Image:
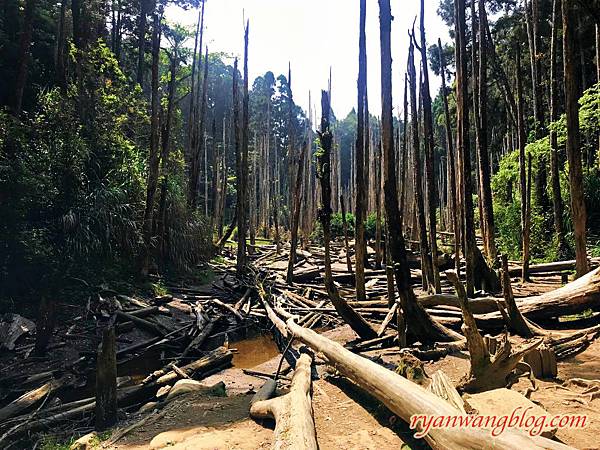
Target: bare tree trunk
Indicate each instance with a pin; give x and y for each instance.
(429, 156)
(345, 225)
(451, 164)
(166, 137)
(242, 174)
(154, 157)
(106, 381)
(578, 211)
(348, 314)
(297, 205)
(192, 138)
(23, 56)
(378, 243)
(463, 145)
(360, 244)
(420, 325)
(522, 168)
(487, 216)
(557, 200)
(426, 268)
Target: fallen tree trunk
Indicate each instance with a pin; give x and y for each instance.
(294, 423)
(28, 399)
(572, 298)
(406, 399)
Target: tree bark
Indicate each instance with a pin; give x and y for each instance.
(106, 381)
(452, 163)
(522, 169)
(153, 158)
(487, 210)
(360, 243)
(578, 211)
(141, 42)
(242, 183)
(297, 205)
(557, 201)
(463, 145)
(429, 156)
(426, 267)
(348, 314)
(420, 324)
(345, 226)
(293, 414)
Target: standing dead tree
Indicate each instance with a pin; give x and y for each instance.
(522, 169)
(360, 242)
(451, 162)
(578, 212)
(463, 145)
(350, 316)
(426, 266)
(420, 324)
(429, 154)
(557, 201)
(242, 167)
(296, 205)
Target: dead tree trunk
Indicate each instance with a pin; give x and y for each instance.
(293, 414)
(578, 211)
(407, 399)
(557, 201)
(487, 216)
(360, 243)
(420, 324)
(296, 204)
(487, 371)
(106, 381)
(242, 173)
(345, 226)
(451, 163)
(154, 157)
(522, 168)
(463, 145)
(430, 182)
(426, 267)
(348, 314)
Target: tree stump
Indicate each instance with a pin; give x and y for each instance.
(106, 381)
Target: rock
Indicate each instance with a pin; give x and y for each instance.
(186, 385)
(87, 442)
(504, 402)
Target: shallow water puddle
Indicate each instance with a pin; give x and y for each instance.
(254, 351)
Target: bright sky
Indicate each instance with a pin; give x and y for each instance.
(314, 35)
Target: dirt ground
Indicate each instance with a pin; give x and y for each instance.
(345, 417)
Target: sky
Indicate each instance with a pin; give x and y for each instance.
(314, 35)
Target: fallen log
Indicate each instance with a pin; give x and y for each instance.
(572, 298)
(29, 399)
(144, 324)
(405, 399)
(294, 422)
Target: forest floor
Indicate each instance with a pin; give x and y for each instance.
(345, 416)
